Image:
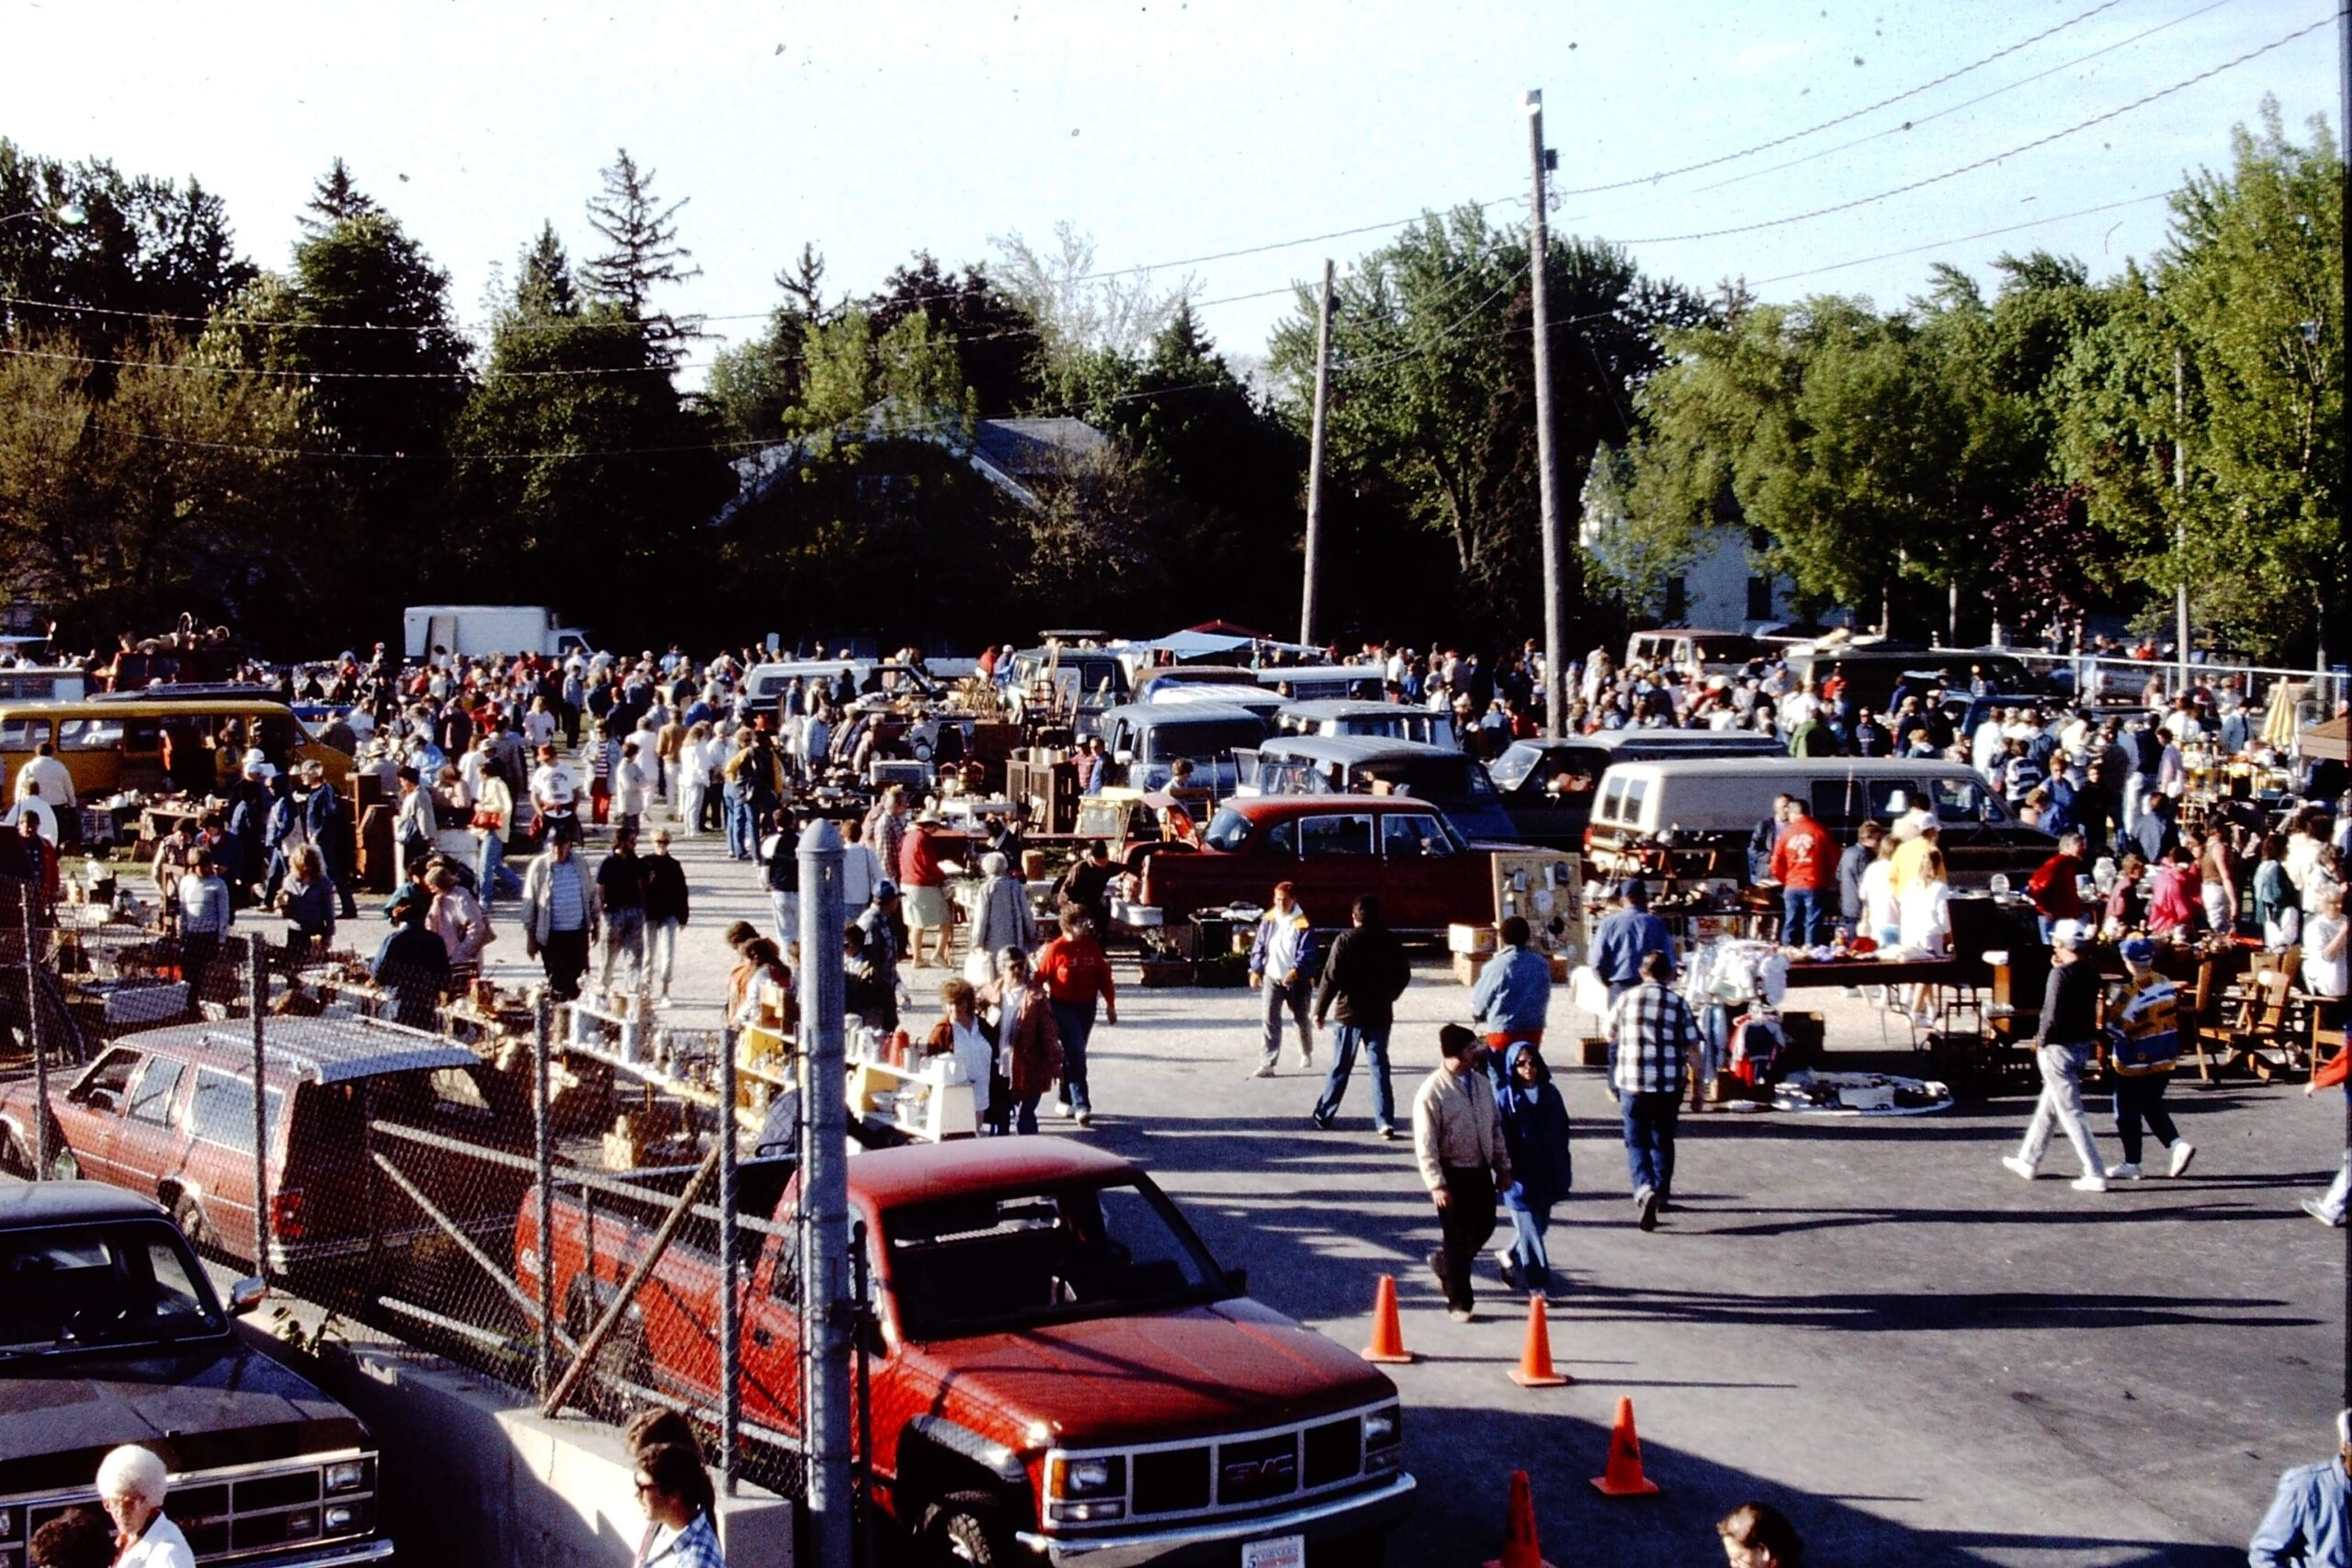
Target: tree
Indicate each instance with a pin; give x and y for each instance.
(751, 384)
(1077, 308)
(644, 255)
(1433, 395)
(2251, 279)
(995, 338)
(173, 491)
(99, 259)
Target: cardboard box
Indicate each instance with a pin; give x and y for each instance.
(1465, 969)
(1474, 939)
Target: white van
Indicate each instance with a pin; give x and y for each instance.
(1710, 808)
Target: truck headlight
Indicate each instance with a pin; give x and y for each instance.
(346, 1476)
(340, 1517)
(1098, 1477)
(1383, 1428)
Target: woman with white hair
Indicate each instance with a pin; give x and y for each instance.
(130, 1488)
(1000, 919)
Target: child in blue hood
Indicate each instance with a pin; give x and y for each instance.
(1535, 1132)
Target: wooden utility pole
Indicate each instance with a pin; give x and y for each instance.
(1307, 628)
(1555, 546)
(2180, 517)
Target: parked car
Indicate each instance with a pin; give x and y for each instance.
(1063, 1372)
(1333, 850)
(1394, 721)
(1710, 807)
(168, 1113)
(1548, 786)
(1326, 682)
(1146, 738)
(1688, 647)
(110, 1332)
(1452, 781)
(109, 743)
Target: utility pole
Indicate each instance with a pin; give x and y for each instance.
(1306, 627)
(2181, 500)
(1556, 550)
(824, 1197)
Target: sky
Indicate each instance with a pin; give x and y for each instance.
(1184, 129)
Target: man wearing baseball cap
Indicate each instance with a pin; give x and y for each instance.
(2310, 1521)
(2062, 1048)
(1619, 941)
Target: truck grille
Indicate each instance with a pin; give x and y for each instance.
(229, 1516)
(1171, 1480)
(1246, 1472)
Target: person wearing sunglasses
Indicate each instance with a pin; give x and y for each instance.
(674, 1490)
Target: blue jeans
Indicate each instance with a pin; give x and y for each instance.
(2140, 1098)
(1801, 923)
(742, 833)
(1345, 1038)
(1527, 1249)
(1025, 1114)
(1076, 1023)
(491, 875)
(1649, 1139)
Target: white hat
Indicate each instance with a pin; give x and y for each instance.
(255, 762)
(2066, 934)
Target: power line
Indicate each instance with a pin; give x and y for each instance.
(1984, 162)
(1914, 124)
(1964, 238)
(1951, 76)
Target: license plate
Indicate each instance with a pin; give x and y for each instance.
(1283, 1551)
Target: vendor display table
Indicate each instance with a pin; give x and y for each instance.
(1886, 972)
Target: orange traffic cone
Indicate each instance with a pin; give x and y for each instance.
(1535, 1369)
(1624, 1478)
(1387, 1334)
(1520, 1549)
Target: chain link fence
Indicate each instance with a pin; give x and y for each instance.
(573, 1200)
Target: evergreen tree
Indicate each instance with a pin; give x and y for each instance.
(644, 255)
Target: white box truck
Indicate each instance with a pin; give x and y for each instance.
(474, 630)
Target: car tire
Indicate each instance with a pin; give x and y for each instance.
(966, 1527)
(15, 1159)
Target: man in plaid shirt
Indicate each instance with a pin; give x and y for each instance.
(1650, 1031)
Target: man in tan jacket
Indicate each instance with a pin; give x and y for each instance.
(1458, 1140)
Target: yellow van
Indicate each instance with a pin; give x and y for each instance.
(110, 744)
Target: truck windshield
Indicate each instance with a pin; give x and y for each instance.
(71, 1287)
(966, 1266)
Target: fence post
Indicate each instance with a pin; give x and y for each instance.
(824, 1197)
(543, 1101)
(731, 1306)
(258, 950)
(42, 1153)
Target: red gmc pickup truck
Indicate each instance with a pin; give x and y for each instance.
(1063, 1373)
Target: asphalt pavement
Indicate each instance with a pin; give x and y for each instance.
(1869, 1323)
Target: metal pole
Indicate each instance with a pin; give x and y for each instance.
(2181, 500)
(543, 1100)
(255, 947)
(824, 1196)
(1555, 552)
(731, 1306)
(1306, 627)
(43, 1151)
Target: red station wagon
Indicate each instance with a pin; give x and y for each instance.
(1333, 849)
(1063, 1373)
(168, 1113)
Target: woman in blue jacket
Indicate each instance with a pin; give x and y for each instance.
(1535, 1132)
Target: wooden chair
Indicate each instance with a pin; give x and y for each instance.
(2203, 1027)
(2267, 1023)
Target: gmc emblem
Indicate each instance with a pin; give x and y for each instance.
(1278, 1471)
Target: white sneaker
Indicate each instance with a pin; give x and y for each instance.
(2183, 1151)
(2124, 1173)
(2017, 1166)
(2088, 1184)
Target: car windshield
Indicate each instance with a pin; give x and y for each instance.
(1518, 759)
(1228, 830)
(982, 1265)
(127, 1283)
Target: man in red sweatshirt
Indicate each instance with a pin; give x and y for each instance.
(1804, 859)
(2055, 891)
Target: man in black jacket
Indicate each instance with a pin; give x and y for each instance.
(1362, 980)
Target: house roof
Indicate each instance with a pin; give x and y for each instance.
(1003, 451)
